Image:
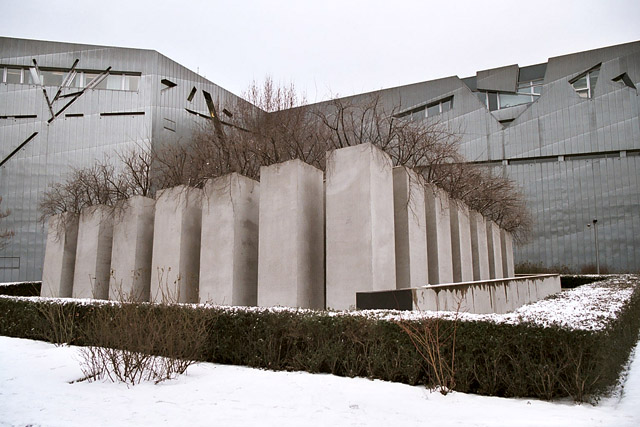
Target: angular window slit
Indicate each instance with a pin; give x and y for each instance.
(625, 80)
(168, 83)
(124, 113)
(20, 116)
(227, 112)
(6, 159)
(197, 114)
(74, 115)
(192, 94)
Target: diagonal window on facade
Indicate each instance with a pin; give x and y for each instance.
(585, 83)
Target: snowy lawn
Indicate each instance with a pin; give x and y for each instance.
(35, 389)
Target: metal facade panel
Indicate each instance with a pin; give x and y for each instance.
(74, 141)
(503, 79)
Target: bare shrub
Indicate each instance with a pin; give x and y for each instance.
(134, 342)
(435, 341)
(60, 319)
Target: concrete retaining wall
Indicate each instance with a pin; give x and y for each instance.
(489, 296)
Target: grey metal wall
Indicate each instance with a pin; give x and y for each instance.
(83, 134)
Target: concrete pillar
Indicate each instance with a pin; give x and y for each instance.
(410, 229)
(132, 249)
(360, 228)
(461, 250)
(93, 254)
(291, 242)
(506, 246)
(175, 265)
(229, 250)
(495, 253)
(60, 256)
(438, 235)
(479, 247)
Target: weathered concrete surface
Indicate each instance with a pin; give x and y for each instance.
(93, 253)
(360, 224)
(132, 249)
(175, 265)
(410, 229)
(462, 257)
(291, 230)
(506, 247)
(438, 235)
(494, 249)
(60, 256)
(489, 296)
(479, 247)
(229, 250)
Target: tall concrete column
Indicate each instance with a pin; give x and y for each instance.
(461, 242)
(360, 224)
(479, 247)
(93, 254)
(438, 235)
(229, 250)
(175, 265)
(410, 229)
(495, 251)
(291, 230)
(506, 245)
(132, 250)
(60, 256)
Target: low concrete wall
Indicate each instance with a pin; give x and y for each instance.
(60, 256)
(489, 296)
(132, 248)
(93, 253)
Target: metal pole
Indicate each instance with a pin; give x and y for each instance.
(595, 230)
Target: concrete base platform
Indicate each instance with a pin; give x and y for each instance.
(483, 297)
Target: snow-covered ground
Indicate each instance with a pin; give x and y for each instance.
(35, 389)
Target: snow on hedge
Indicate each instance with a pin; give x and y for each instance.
(588, 307)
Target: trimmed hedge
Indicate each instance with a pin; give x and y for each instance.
(21, 289)
(522, 360)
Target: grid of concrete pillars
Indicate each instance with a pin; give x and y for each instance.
(289, 240)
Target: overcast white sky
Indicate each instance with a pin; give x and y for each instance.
(328, 48)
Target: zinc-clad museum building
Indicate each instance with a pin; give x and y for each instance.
(567, 131)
